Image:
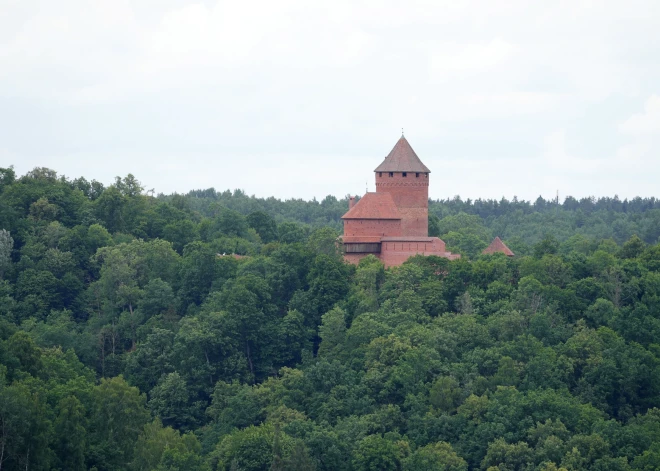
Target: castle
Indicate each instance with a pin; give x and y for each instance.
(393, 222)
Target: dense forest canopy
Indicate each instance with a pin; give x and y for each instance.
(219, 331)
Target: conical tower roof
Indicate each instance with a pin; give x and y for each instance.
(498, 246)
(402, 158)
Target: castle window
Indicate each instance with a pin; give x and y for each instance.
(405, 174)
(380, 174)
(391, 174)
(417, 175)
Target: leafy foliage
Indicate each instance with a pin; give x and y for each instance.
(215, 330)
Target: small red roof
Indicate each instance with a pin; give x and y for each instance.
(498, 246)
(402, 158)
(374, 206)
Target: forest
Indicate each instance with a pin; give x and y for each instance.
(220, 331)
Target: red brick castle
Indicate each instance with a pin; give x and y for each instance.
(393, 222)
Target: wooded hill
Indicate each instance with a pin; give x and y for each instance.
(131, 338)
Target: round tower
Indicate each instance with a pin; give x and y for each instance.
(403, 175)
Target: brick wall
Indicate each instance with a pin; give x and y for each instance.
(411, 196)
(394, 253)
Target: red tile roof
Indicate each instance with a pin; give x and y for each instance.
(498, 246)
(407, 239)
(402, 158)
(374, 206)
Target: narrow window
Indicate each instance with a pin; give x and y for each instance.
(380, 174)
(391, 174)
(405, 174)
(417, 175)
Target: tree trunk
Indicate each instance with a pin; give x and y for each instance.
(249, 357)
(2, 447)
(208, 363)
(102, 345)
(130, 309)
(112, 337)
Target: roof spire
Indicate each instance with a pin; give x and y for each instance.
(402, 158)
(402, 133)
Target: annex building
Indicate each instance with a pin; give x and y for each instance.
(392, 223)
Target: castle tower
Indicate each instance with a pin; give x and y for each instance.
(392, 223)
(403, 175)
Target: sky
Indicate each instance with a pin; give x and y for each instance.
(302, 99)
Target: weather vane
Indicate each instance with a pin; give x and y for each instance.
(401, 131)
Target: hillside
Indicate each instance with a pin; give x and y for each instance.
(132, 336)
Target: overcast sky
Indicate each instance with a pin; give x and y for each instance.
(301, 99)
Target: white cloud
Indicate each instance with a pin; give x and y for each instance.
(644, 123)
(451, 58)
(510, 103)
(557, 158)
(635, 156)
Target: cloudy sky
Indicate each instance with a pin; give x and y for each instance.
(300, 99)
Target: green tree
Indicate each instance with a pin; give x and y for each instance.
(649, 460)
(299, 459)
(170, 401)
(328, 283)
(548, 246)
(70, 434)
(118, 416)
(445, 394)
(129, 185)
(247, 303)
(158, 297)
(264, 224)
(438, 456)
(180, 233)
(22, 347)
(231, 223)
(202, 344)
(235, 405)
(163, 448)
(24, 429)
(375, 453)
(152, 359)
(6, 247)
(516, 457)
(7, 177)
(332, 332)
(250, 448)
(111, 207)
(324, 241)
(632, 248)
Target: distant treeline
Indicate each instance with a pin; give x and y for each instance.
(481, 207)
(525, 222)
